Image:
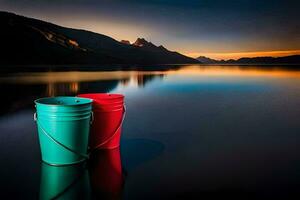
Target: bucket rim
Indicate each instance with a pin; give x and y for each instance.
(102, 96)
(88, 101)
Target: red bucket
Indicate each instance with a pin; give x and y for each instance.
(109, 113)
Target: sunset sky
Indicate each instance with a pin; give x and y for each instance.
(215, 28)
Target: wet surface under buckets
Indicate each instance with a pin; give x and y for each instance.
(102, 177)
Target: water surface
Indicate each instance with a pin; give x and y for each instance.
(193, 131)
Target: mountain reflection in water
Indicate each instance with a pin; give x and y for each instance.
(24, 88)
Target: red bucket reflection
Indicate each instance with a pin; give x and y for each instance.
(106, 174)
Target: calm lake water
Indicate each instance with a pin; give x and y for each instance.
(194, 131)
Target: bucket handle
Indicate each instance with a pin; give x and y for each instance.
(92, 117)
(114, 133)
(85, 156)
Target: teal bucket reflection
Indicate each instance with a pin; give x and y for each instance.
(64, 182)
(63, 127)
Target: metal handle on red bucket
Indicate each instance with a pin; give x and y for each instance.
(85, 156)
(115, 132)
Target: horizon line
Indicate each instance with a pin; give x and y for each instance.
(248, 54)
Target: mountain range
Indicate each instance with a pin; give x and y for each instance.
(293, 59)
(31, 41)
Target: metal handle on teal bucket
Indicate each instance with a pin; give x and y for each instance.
(92, 117)
(85, 156)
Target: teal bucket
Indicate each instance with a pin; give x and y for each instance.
(63, 127)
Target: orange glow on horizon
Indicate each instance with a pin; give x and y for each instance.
(237, 55)
(235, 71)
